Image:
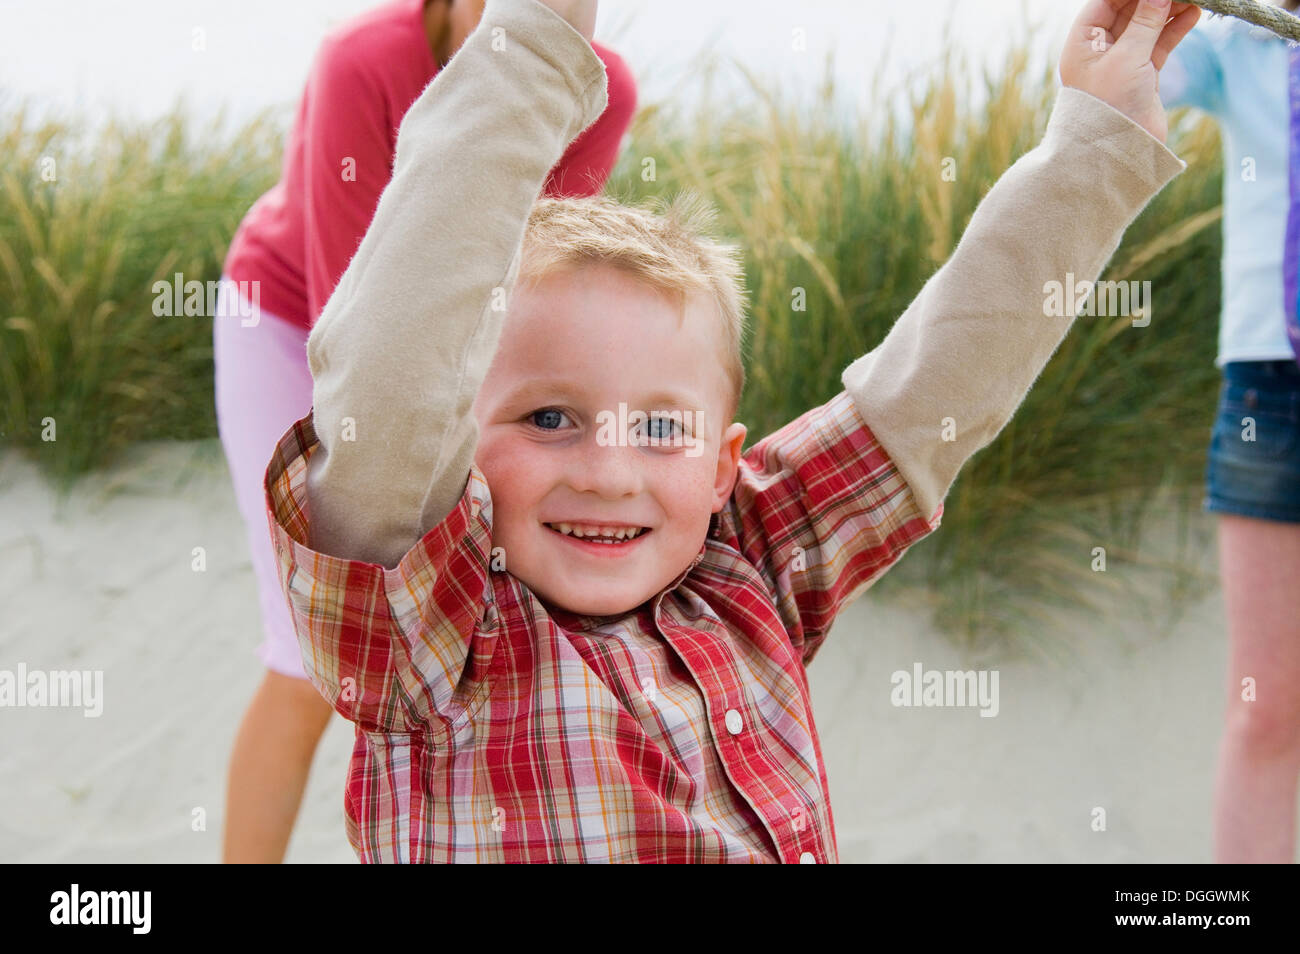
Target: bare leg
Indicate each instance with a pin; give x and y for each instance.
(1259, 756)
(269, 766)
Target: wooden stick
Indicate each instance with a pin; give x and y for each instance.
(1272, 18)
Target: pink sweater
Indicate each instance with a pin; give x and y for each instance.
(298, 238)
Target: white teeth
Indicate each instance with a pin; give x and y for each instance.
(590, 531)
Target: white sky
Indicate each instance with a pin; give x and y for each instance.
(135, 57)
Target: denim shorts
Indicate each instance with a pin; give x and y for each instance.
(1254, 464)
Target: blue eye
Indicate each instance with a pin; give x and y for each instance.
(661, 430)
(547, 419)
(661, 433)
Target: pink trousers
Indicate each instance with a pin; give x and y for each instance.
(262, 387)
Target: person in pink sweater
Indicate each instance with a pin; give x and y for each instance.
(285, 260)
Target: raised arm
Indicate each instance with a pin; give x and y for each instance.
(590, 158)
(957, 364)
(403, 344)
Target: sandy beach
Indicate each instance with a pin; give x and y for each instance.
(105, 580)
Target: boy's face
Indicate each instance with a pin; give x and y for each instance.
(554, 447)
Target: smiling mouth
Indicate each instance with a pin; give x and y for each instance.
(607, 535)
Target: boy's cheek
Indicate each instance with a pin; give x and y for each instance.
(506, 464)
(692, 507)
(513, 479)
(695, 489)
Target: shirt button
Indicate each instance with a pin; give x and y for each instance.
(807, 858)
(734, 722)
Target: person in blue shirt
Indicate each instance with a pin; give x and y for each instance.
(1239, 74)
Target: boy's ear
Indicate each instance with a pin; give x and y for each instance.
(733, 439)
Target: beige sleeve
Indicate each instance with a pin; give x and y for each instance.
(404, 342)
(976, 337)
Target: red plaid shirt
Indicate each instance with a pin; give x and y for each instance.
(493, 728)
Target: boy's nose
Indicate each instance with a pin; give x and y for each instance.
(611, 471)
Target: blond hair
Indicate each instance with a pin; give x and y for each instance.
(668, 246)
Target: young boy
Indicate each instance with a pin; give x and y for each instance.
(522, 548)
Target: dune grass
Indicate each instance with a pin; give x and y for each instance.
(856, 213)
(82, 242)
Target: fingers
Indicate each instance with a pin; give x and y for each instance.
(1174, 31)
(1098, 13)
(1138, 41)
(1125, 15)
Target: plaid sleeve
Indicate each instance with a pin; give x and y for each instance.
(390, 649)
(821, 511)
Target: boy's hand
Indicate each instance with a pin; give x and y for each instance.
(580, 14)
(1116, 49)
